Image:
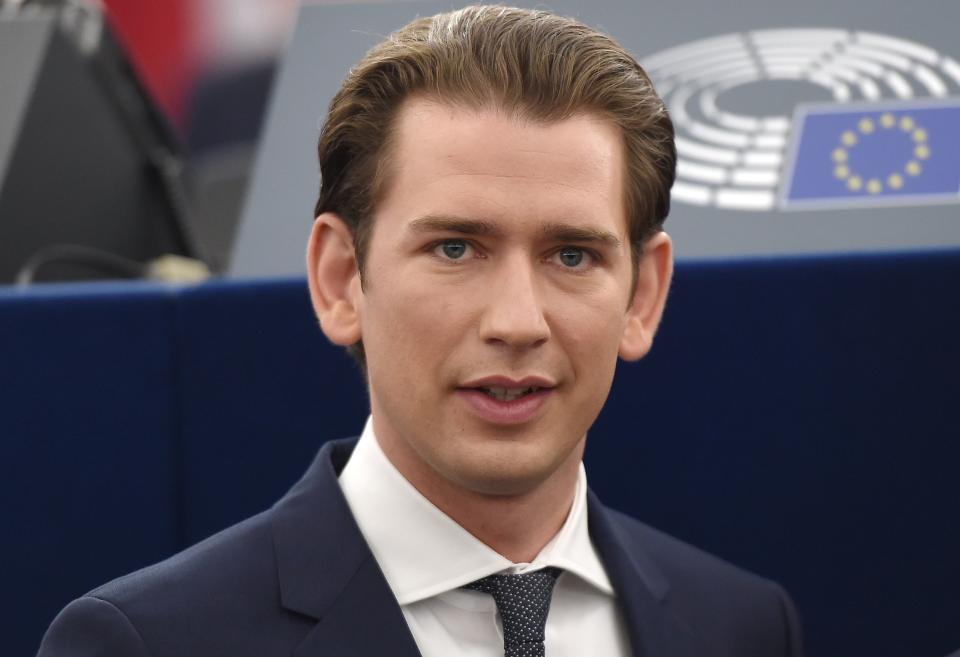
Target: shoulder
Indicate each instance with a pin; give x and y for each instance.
(681, 563)
(91, 626)
(723, 604)
(219, 596)
(223, 595)
(237, 559)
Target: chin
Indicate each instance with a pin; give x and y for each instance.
(502, 485)
(507, 472)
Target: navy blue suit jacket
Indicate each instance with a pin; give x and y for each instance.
(299, 580)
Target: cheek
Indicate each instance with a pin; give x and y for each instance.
(591, 338)
(411, 326)
(591, 327)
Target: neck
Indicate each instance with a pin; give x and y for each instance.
(516, 525)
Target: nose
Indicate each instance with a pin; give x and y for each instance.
(514, 312)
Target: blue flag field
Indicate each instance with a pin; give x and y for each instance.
(874, 155)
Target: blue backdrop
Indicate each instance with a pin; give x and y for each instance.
(797, 417)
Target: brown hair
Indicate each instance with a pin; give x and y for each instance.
(531, 63)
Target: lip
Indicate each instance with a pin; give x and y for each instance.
(531, 381)
(505, 413)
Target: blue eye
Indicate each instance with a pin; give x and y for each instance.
(570, 256)
(453, 249)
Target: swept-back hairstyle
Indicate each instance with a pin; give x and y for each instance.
(531, 63)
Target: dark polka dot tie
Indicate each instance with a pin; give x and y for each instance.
(523, 602)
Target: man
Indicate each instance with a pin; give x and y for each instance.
(488, 241)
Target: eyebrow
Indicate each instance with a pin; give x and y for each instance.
(553, 231)
(434, 223)
(563, 232)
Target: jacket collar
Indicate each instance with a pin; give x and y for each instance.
(641, 587)
(326, 572)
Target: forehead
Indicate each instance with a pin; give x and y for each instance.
(497, 163)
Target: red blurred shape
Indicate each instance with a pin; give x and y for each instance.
(159, 37)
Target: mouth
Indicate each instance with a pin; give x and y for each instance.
(503, 401)
(504, 394)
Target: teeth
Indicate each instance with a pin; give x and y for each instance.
(508, 394)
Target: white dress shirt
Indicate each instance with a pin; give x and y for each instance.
(426, 557)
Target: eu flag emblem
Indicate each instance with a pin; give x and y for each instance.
(875, 155)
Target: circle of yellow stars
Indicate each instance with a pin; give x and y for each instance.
(867, 126)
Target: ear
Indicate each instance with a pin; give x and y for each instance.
(334, 279)
(654, 272)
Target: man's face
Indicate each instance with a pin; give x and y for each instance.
(495, 296)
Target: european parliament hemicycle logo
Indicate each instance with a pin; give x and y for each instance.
(891, 135)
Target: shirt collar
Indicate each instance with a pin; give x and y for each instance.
(423, 552)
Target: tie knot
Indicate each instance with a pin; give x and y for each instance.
(523, 602)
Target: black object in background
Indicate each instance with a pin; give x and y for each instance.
(85, 158)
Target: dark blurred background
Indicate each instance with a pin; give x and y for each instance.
(170, 95)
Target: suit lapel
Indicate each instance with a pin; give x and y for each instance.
(642, 590)
(326, 570)
(364, 621)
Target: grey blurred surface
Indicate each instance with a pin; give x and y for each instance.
(329, 39)
(86, 160)
(24, 44)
